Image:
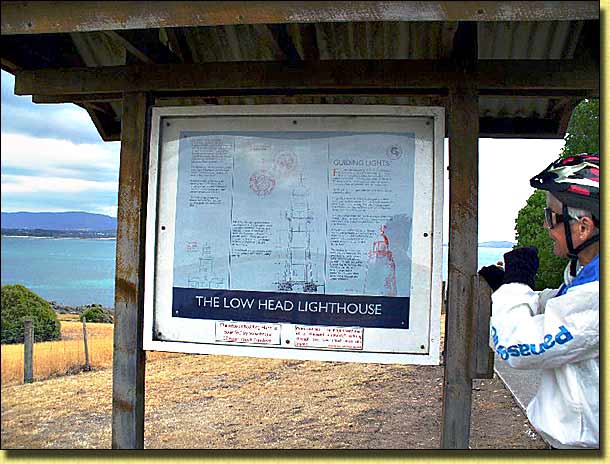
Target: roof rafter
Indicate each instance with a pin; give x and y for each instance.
(505, 76)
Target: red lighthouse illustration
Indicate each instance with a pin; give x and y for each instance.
(380, 278)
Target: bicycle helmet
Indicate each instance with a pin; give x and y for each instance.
(574, 181)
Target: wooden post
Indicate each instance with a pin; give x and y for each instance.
(28, 351)
(463, 233)
(87, 365)
(129, 357)
(483, 356)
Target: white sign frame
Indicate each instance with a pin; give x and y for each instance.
(162, 333)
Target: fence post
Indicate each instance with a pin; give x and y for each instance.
(28, 351)
(87, 366)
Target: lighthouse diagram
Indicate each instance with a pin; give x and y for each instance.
(380, 277)
(205, 276)
(298, 269)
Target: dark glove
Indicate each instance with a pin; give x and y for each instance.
(493, 275)
(521, 265)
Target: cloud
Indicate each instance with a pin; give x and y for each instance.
(38, 184)
(505, 168)
(44, 171)
(23, 154)
(59, 121)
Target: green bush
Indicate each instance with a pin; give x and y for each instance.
(19, 303)
(95, 313)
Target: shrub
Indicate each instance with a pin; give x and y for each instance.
(19, 303)
(95, 313)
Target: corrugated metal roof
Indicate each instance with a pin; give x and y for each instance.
(347, 41)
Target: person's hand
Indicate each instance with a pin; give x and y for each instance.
(493, 275)
(521, 265)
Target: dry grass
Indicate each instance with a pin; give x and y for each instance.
(61, 357)
(229, 402)
(65, 356)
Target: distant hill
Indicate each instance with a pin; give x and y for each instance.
(493, 244)
(70, 220)
(497, 244)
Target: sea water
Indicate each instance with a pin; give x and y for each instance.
(81, 271)
(69, 271)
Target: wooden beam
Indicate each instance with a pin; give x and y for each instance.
(463, 244)
(129, 358)
(284, 41)
(9, 66)
(530, 76)
(567, 109)
(463, 232)
(80, 98)
(168, 100)
(309, 42)
(178, 44)
(98, 108)
(43, 17)
(536, 127)
(129, 46)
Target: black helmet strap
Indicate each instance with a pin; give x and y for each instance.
(573, 252)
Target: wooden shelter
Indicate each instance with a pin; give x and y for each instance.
(500, 69)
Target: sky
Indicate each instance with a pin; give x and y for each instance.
(53, 159)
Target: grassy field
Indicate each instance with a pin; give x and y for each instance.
(65, 356)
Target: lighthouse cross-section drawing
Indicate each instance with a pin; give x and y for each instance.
(298, 272)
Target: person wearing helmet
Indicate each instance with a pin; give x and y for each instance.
(556, 330)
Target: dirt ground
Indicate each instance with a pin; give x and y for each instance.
(231, 403)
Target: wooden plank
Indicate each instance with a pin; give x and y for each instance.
(8, 65)
(129, 46)
(108, 128)
(81, 98)
(284, 42)
(463, 230)
(43, 17)
(168, 100)
(512, 127)
(129, 359)
(309, 42)
(178, 44)
(530, 76)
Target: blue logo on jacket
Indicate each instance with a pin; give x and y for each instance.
(524, 349)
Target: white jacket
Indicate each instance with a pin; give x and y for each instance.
(560, 336)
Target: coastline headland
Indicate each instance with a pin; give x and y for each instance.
(46, 233)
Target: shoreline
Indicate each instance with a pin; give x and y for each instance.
(58, 238)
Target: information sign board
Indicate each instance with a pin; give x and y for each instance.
(308, 232)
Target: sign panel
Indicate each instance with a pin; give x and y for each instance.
(295, 231)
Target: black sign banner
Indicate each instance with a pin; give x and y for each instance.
(295, 308)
